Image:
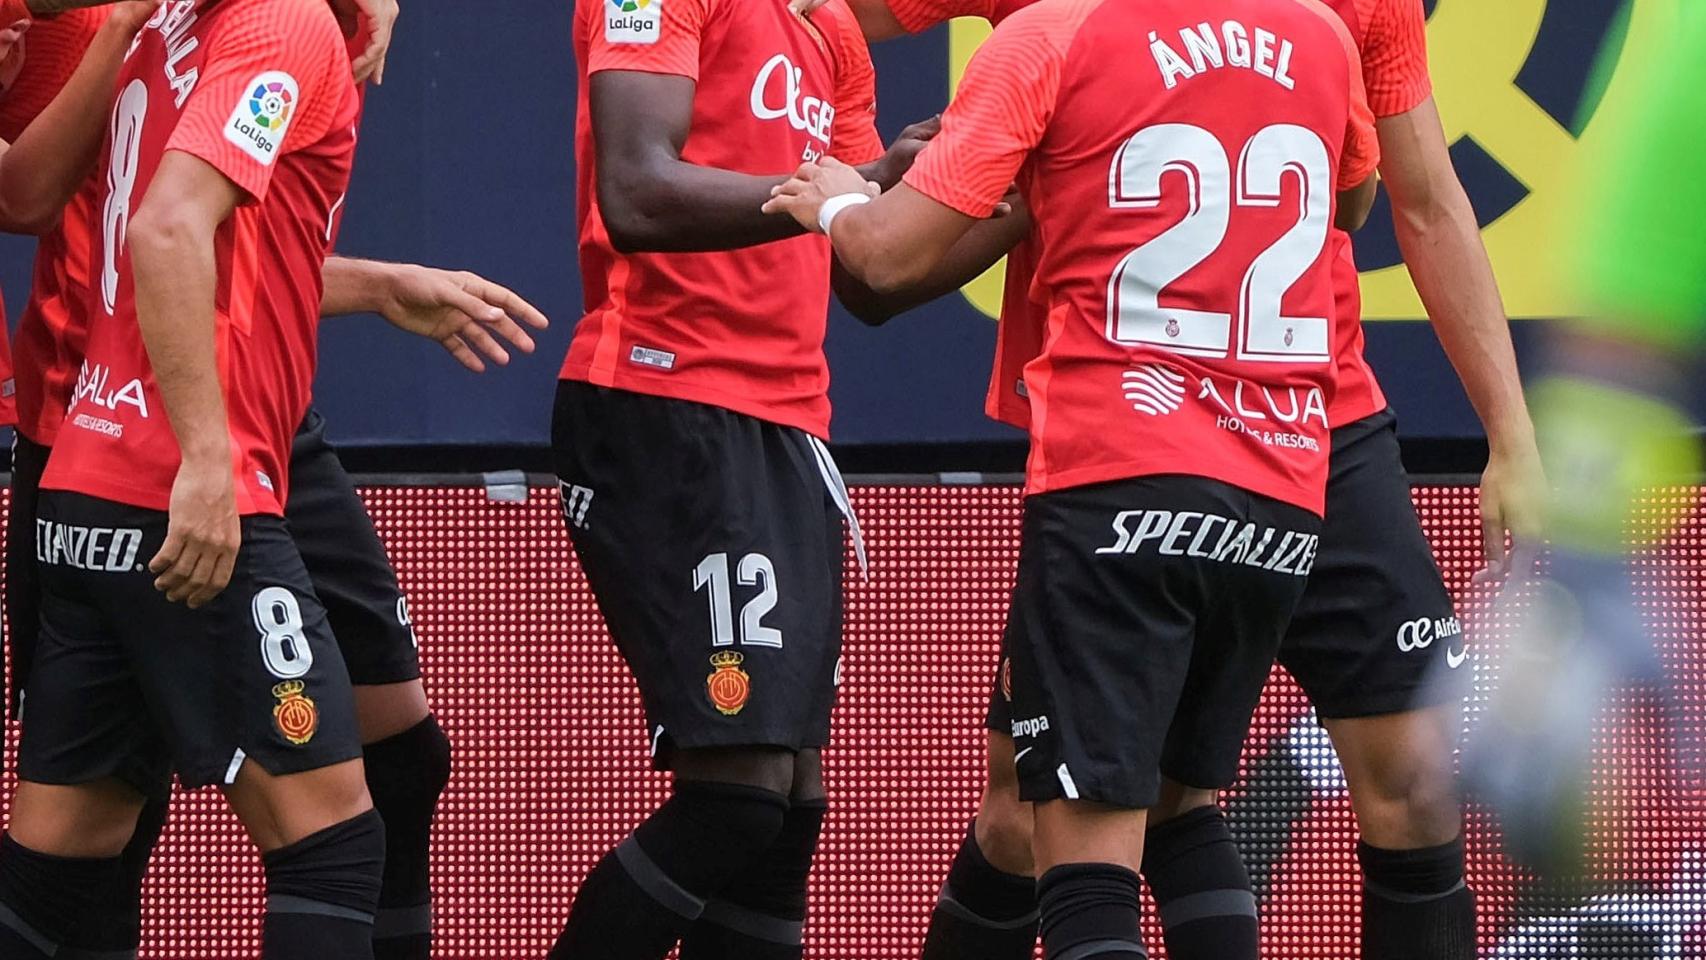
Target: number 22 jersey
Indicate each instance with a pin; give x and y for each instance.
(261, 91)
(1181, 160)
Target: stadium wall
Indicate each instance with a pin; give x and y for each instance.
(551, 754)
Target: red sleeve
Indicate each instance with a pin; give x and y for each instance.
(661, 36)
(1361, 152)
(854, 138)
(273, 81)
(918, 16)
(51, 52)
(1395, 56)
(1004, 104)
(11, 11)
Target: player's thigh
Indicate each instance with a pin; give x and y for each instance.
(88, 820)
(280, 810)
(1375, 633)
(23, 586)
(356, 583)
(88, 716)
(1103, 643)
(1254, 593)
(715, 553)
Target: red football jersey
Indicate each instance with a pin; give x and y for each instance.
(260, 90)
(1392, 40)
(1183, 196)
(739, 329)
(49, 344)
(919, 15)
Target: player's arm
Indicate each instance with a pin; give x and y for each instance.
(379, 19)
(468, 315)
(1441, 242)
(877, 20)
(11, 10)
(981, 248)
(652, 200)
(171, 239)
(1355, 205)
(52, 157)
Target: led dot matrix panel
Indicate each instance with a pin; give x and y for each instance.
(551, 762)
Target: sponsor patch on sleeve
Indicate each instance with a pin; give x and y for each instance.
(632, 21)
(263, 114)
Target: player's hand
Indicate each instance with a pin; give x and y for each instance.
(132, 15)
(467, 314)
(381, 18)
(12, 53)
(804, 195)
(1513, 501)
(202, 533)
(803, 7)
(887, 171)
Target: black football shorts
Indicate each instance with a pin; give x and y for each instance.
(1148, 615)
(714, 546)
(1376, 621)
(333, 533)
(129, 685)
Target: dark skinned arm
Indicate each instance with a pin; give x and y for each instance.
(981, 248)
(1355, 205)
(652, 201)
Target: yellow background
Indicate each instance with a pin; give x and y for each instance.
(1476, 49)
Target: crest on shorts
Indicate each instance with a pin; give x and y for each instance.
(1007, 678)
(728, 687)
(296, 716)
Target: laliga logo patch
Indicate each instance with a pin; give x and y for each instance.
(632, 21)
(262, 116)
(296, 716)
(730, 686)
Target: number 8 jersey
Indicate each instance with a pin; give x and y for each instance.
(261, 91)
(1181, 159)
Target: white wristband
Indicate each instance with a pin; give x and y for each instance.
(834, 206)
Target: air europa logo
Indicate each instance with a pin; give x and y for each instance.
(777, 94)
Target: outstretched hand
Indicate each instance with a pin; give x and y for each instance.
(803, 196)
(468, 315)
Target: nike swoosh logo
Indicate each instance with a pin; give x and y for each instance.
(1021, 754)
(1455, 658)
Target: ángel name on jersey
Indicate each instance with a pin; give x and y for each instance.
(1213, 537)
(100, 549)
(633, 21)
(1232, 45)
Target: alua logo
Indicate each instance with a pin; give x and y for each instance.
(94, 385)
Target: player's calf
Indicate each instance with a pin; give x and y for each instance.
(987, 909)
(63, 889)
(1202, 889)
(406, 774)
(1416, 902)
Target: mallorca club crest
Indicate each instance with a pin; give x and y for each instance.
(296, 716)
(730, 686)
(1007, 678)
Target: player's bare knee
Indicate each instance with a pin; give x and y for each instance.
(85, 820)
(281, 810)
(1176, 799)
(766, 768)
(1402, 785)
(385, 710)
(808, 777)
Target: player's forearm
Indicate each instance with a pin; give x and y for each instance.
(671, 206)
(176, 279)
(53, 156)
(14, 10)
(355, 286)
(981, 248)
(1442, 245)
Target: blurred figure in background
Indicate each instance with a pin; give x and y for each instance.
(1611, 419)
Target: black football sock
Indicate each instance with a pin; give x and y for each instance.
(1091, 910)
(982, 913)
(1416, 904)
(113, 929)
(761, 914)
(406, 774)
(45, 899)
(646, 893)
(322, 893)
(1202, 890)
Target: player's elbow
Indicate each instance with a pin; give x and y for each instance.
(161, 232)
(890, 274)
(635, 207)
